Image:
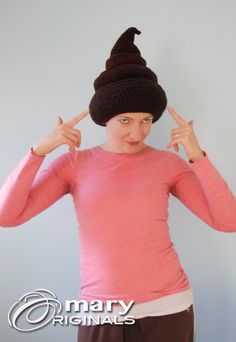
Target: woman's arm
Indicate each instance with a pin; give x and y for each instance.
(201, 188)
(23, 196)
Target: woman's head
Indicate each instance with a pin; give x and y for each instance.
(128, 127)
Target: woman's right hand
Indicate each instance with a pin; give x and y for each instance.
(63, 133)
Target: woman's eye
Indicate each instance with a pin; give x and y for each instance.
(148, 120)
(122, 121)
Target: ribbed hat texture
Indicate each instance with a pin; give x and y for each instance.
(127, 84)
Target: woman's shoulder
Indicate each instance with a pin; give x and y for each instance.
(169, 155)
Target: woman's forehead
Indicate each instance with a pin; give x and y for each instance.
(135, 114)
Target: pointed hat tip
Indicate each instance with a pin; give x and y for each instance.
(129, 34)
(133, 30)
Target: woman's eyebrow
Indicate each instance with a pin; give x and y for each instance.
(149, 116)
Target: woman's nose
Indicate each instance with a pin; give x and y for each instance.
(136, 134)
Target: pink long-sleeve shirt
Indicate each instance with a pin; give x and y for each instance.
(121, 205)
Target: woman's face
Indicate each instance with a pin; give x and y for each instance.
(129, 127)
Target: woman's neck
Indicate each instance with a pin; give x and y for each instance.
(109, 147)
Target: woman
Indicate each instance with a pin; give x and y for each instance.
(120, 191)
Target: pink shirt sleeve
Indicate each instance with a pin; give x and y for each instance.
(201, 188)
(23, 196)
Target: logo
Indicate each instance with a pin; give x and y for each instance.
(36, 309)
(30, 302)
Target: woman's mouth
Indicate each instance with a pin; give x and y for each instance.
(133, 143)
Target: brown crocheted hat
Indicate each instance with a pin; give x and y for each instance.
(126, 85)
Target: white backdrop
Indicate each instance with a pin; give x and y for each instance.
(51, 52)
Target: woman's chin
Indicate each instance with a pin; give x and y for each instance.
(135, 147)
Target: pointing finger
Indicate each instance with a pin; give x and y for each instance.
(59, 120)
(179, 120)
(76, 119)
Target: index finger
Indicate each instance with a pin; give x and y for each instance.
(180, 121)
(76, 119)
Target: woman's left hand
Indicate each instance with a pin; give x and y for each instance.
(185, 135)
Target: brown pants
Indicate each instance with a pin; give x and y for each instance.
(177, 327)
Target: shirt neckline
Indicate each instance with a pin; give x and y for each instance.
(117, 154)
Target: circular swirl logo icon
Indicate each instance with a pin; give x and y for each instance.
(30, 302)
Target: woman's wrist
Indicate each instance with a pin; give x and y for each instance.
(36, 151)
(198, 157)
